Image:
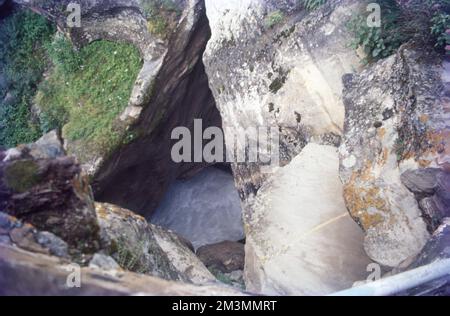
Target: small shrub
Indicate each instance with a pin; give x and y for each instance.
(22, 64)
(378, 42)
(274, 18)
(440, 23)
(400, 24)
(312, 4)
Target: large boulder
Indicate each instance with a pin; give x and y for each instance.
(275, 64)
(300, 238)
(140, 247)
(395, 134)
(42, 187)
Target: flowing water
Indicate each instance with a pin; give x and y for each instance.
(205, 209)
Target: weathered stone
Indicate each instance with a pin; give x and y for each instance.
(35, 189)
(408, 85)
(288, 76)
(24, 273)
(24, 237)
(140, 247)
(421, 181)
(300, 238)
(103, 262)
(54, 244)
(226, 256)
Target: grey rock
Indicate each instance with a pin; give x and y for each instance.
(104, 262)
(4, 239)
(36, 190)
(288, 76)
(431, 212)
(421, 181)
(54, 244)
(47, 147)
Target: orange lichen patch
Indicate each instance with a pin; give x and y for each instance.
(384, 157)
(104, 210)
(424, 118)
(423, 163)
(360, 200)
(365, 174)
(381, 132)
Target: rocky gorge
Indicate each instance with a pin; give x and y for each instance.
(364, 155)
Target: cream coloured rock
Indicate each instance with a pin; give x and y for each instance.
(300, 238)
(395, 123)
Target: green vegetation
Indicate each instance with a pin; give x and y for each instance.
(274, 18)
(22, 64)
(160, 15)
(87, 90)
(131, 258)
(399, 25)
(312, 4)
(440, 23)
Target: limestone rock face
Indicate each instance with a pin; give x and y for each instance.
(395, 126)
(273, 64)
(286, 74)
(300, 238)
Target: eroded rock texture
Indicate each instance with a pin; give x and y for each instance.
(288, 75)
(48, 190)
(25, 273)
(395, 127)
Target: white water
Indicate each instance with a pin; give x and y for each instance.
(205, 209)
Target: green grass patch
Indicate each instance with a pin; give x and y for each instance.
(23, 61)
(88, 90)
